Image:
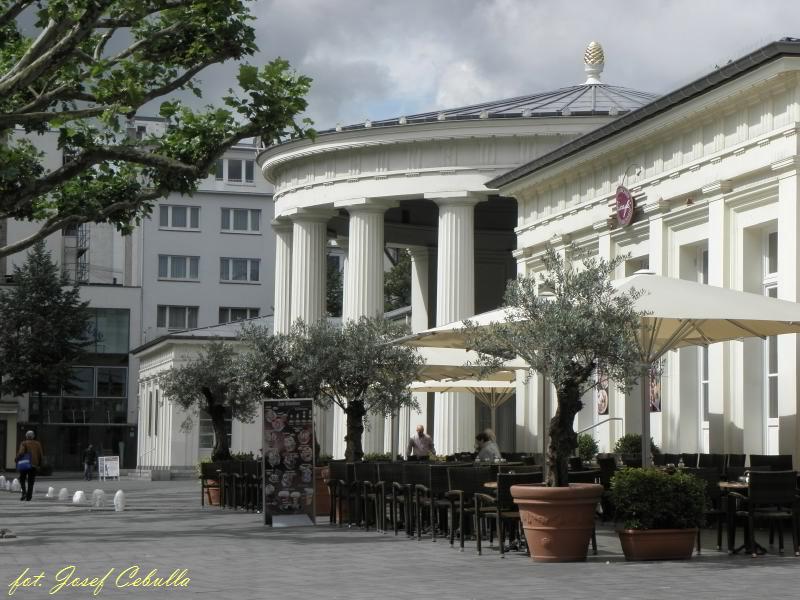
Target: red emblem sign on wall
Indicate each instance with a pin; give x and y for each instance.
(625, 206)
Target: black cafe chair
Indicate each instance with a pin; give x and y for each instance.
(771, 496)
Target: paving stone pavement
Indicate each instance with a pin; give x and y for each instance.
(232, 555)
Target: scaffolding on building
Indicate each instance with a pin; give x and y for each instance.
(76, 253)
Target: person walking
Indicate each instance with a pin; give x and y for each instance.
(29, 459)
(89, 461)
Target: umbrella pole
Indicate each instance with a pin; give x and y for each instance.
(644, 385)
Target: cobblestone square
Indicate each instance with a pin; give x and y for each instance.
(232, 555)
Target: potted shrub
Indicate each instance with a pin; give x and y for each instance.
(630, 445)
(564, 333)
(587, 447)
(660, 511)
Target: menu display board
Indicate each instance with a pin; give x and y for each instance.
(288, 462)
(108, 466)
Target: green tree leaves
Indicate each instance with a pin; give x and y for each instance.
(90, 67)
(43, 327)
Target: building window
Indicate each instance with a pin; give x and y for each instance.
(241, 220)
(177, 317)
(178, 217)
(111, 382)
(229, 314)
(238, 170)
(235, 171)
(771, 347)
(249, 171)
(155, 409)
(150, 413)
(81, 382)
(178, 267)
(239, 269)
(108, 331)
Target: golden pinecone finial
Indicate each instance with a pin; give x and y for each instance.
(594, 60)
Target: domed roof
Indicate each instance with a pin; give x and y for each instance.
(588, 99)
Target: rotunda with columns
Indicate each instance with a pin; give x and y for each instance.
(419, 182)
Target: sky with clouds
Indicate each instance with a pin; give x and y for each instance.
(384, 58)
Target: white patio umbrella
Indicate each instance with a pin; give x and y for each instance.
(680, 313)
(452, 364)
(491, 393)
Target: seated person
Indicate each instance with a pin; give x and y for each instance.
(487, 449)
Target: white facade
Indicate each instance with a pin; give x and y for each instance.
(419, 182)
(714, 170)
(169, 436)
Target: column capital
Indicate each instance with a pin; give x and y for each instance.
(366, 204)
(310, 215)
(281, 224)
(458, 198)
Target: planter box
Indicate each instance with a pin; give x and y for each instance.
(657, 544)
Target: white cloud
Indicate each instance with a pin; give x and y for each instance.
(379, 59)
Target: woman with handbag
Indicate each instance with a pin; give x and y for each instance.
(29, 459)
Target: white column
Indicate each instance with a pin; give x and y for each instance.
(788, 289)
(719, 269)
(339, 418)
(454, 413)
(309, 267)
(363, 283)
(364, 277)
(283, 276)
(420, 314)
(309, 271)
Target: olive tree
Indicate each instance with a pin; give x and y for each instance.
(356, 367)
(565, 334)
(86, 67)
(211, 383)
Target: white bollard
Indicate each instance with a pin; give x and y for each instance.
(2, 482)
(98, 498)
(8, 485)
(119, 501)
(63, 494)
(15, 486)
(79, 497)
(51, 492)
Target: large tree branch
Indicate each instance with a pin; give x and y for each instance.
(91, 157)
(32, 118)
(131, 19)
(58, 222)
(144, 42)
(44, 55)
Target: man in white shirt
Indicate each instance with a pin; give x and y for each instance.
(420, 445)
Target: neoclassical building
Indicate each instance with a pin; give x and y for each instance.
(421, 182)
(714, 168)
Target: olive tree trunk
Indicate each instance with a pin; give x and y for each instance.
(563, 439)
(221, 449)
(355, 412)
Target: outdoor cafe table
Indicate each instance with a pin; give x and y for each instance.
(733, 486)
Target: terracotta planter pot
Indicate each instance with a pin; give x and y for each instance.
(558, 521)
(657, 544)
(212, 495)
